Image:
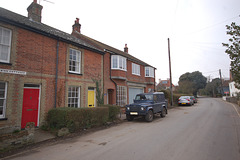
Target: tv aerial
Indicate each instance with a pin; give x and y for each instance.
(46, 1)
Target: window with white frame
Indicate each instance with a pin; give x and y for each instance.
(74, 61)
(3, 98)
(5, 44)
(74, 96)
(135, 69)
(149, 72)
(121, 95)
(119, 62)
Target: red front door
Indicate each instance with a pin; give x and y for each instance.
(30, 106)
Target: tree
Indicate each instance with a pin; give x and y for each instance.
(192, 82)
(213, 88)
(99, 92)
(233, 50)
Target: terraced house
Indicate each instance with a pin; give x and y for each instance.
(42, 68)
(124, 75)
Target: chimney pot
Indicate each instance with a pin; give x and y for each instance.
(126, 48)
(77, 26)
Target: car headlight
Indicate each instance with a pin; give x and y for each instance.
(142, 108)
(128, 108)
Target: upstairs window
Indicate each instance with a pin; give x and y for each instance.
(135, 69)
(149, 72)
(119, 62)
(74, 61)
(5, 44)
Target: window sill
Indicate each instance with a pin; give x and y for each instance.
(119, 69)
(3, 119)
(75, 73)
(6, 63)
(136, 74)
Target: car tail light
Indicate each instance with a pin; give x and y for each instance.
(188, 100)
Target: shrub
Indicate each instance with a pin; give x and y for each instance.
(113, 111)
(77, 118)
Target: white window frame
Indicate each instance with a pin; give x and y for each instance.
(149, 72)
(121, 95)
(77, 61)
(4, 100)
(118, 62)
(5, 45)
(73, 95)
(135, 69)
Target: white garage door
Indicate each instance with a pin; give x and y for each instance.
(133, 92)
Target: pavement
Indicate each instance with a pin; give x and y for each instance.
(41, 135)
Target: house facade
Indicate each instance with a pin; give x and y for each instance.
(42, 68)
(233, 90)
(124, 75)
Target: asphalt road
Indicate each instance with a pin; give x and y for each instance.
(209, 130)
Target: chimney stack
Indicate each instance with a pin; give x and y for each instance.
(77, 26)
(126, 48)
(35, 11)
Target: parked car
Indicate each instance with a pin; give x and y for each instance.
(194, 99)
(146, 105)
(185, 100)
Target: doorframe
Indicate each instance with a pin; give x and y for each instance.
(34, 86)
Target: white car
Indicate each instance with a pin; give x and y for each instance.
(185, 100)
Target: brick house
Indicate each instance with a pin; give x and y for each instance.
(124, 75)
(164, 85)
(42, 68)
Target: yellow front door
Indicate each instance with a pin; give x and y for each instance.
(91, 99)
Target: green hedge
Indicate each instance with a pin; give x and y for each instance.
(113, 111)
(77, 118)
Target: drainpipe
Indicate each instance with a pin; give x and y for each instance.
(110, 60)
(56, 76)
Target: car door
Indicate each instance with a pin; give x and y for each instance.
(157, 104)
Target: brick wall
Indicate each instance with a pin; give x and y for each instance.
(36, 55)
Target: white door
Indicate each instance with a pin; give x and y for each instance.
(133, 92)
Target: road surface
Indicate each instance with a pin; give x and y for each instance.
(209, 130)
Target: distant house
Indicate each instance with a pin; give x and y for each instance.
(164, 84)
(233, 90)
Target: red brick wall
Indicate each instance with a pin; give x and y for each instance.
(36, 55)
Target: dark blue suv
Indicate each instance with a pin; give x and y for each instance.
(146, 105)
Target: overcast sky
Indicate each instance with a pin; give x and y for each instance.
(196, 29)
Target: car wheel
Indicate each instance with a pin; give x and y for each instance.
(149, 116)
(129, 117)
(163, 112)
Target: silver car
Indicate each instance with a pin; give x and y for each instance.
(185, 100)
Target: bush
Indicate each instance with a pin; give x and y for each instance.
(113, 111)
(77, 118)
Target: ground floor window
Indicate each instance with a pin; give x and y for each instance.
(3, 97)
(74, 97)
(121, 95)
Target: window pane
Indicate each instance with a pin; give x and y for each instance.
(74, 60)
(114, 62)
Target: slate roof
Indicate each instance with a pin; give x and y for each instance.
(26, 23)
(103, 46)
(79, 40)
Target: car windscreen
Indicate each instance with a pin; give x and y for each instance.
(144, 97)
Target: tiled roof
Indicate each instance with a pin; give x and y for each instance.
(26, 23)
(103, 46)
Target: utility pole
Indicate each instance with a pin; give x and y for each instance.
(221, 82)
(170, 72)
